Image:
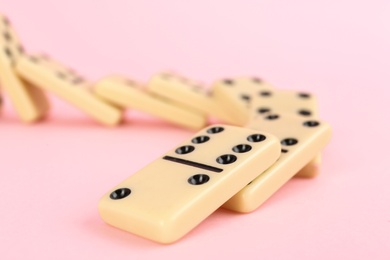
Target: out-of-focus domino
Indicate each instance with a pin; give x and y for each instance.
(289, 101)
(187, 93)
(301, 140)
(68, 85)
(30, 102)
(234, 96)
(126, 93)
(173, 194)
(299, 103)
(312, 169)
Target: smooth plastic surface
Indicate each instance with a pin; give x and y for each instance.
(29, 102)
(296, 102)
(299, 103)
(234, 95)
(300, 139)
(126, 93)
(175, 192)
(189, 93)
(68, 85)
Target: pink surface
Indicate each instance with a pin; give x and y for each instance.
(54, 173)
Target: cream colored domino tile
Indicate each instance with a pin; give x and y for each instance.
(126, 93)
(29, 102)
(69, 86)
(301, 140)
(234, 96)
(187, 92)
(299, 103)
(174, 193)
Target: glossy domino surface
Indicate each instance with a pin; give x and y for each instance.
(189, 93)
(302, 104)
(126, 93)
(300, 139)
(68, 85)
(174, 193)
(29, 102)
(234, 96)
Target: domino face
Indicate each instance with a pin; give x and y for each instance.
(170, 196)
(129, 94)
(30, 102)
(299, 103)
(235, 95)
(301, 140)
(187, 92)
(68, 85)
(302, 104)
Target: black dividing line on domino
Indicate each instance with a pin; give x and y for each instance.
(193, 164)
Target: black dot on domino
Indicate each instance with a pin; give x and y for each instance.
(311, 123)
(272, 117)
(289, 141)
(262, 110)
(257, 80)
(228, 82)
(8, 52)
(7, 36)
(215, 130)
(284, 150)
(120, 193)
(245, 97)
(255, 138)
(33, 59)
(200, 139)
(304, 112)
(304, 95)
(185, 149)
(198, 179)
(226, 159)
(265, 93)
(242, 148)
(196, 88)
(61, 75)
(77, 80)
(166, 76)
(130, 83)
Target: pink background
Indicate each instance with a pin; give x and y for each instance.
(54, 173)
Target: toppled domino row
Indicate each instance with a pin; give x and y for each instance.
(276, 135)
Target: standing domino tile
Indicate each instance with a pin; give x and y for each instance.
(125, 93)
(187, 93)
(288, 101)
(301, 139)
(66, 84)
(30, 102)
(173, 194)
(299, 103)
(234, 96)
